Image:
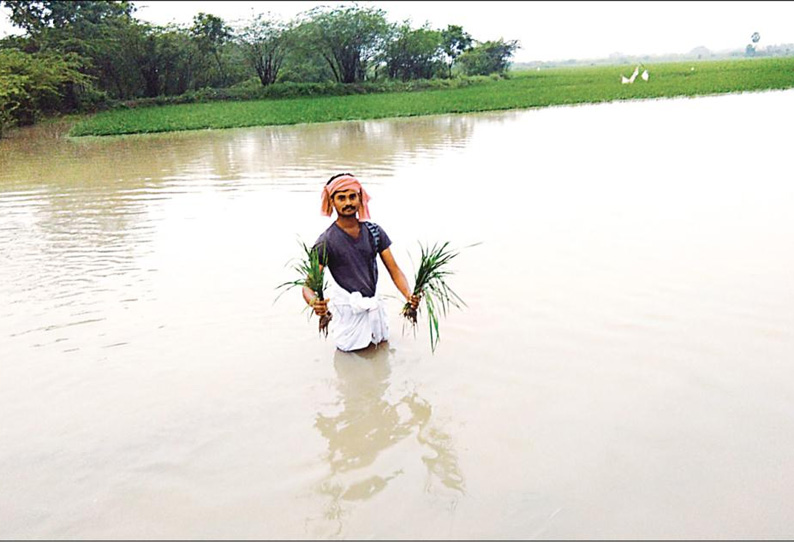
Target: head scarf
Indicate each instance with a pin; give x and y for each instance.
(345, 182)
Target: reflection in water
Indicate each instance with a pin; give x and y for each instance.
(281, 156)
(137, 277)
(369, 425)
(372, 148)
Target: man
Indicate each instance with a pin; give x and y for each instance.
(350, 247)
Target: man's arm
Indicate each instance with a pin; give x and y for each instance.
(398, 277)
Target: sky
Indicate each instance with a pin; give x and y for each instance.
(546, 31)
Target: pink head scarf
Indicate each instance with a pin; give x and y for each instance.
(344, 182)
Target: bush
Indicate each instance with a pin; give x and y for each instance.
(34, 84)
(247, 90)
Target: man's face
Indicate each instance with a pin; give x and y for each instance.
(346, 202)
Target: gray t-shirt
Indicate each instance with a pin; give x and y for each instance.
(352, 261)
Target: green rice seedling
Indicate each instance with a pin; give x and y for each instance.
(311, 273)
(430, 284)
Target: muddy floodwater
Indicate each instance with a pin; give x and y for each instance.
(624, 367)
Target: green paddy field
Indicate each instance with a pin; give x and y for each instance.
(521, 90)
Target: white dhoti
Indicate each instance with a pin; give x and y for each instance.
(357, 320)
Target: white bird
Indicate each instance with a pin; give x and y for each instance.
(645, 75)
(630, 79)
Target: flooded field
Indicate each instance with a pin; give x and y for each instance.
(624, 368)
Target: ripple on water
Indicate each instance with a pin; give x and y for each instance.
(621, 306)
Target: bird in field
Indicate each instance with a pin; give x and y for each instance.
(627, 81)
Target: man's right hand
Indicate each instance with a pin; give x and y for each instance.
(320, 307)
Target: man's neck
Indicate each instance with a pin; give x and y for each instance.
(347, 222)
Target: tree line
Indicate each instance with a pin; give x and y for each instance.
(82, 55)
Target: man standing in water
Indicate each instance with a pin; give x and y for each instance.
(350, 247)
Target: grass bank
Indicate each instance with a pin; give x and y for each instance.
(562, 86)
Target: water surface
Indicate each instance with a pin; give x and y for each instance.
(623, 368)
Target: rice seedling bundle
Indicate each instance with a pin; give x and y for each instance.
(430, 284)
(311, 273)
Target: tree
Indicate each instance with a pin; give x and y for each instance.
(413, 53)
(265, 44)
(36, 16)
(142, 45)
(348, 38)
(97, 31)
(488, 57)
(455, 41)
(166, 58)
(751, 48)
(31, 84)
(304, 64)
(177, 56)
(211, 34)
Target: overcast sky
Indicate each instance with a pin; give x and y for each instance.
(546, 31)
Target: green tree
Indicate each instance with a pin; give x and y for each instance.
(413, 53)
(37, 16)
(348, 38)
(33, 83)
(265, 43)
(178, 59)
(97, 31)
(488, 57)
(455, 41)
(167, 59)
(211, 34)
(303, 64)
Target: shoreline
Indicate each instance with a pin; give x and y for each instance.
(520, 91)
